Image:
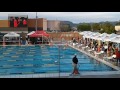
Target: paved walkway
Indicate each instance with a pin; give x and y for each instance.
(93, 74)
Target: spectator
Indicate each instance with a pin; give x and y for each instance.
(118, 56)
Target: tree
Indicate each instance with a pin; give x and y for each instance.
(107, 28)
(96, 26)
(84, 27)
(118, 23)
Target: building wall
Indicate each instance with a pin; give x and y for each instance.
(17, 30)
(117, 28)
(31, 22)
(53, 24)
(4, 23)
(30, 29)
(44, 24)
(41, 23)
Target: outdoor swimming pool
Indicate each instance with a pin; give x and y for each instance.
(44, 59)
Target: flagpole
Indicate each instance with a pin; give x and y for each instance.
(36, 21)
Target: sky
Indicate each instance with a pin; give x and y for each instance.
(75, 17)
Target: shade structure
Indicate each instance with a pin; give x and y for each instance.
(110, 37)
(39, 34)
(95, 34)
(87, 35)
(84, 32)
(31, 33)
(12, 34)
(101, 36)
(116, 39)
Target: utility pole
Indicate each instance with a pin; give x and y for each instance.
(36, 21)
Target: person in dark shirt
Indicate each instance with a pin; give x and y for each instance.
(74, 40)
(75, 63)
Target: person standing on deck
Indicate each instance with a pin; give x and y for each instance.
(75, 64)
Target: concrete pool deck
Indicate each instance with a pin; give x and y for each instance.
(93, 74)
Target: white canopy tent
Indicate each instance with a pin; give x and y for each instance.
(85, 32)
(101, 36)
(11, 35)
(95, 35)
(116, 39)
(109, 37)
(82, 33)
(87, 35)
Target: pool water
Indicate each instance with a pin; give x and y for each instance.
(45, 59)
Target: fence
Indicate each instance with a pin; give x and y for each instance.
(64, 35)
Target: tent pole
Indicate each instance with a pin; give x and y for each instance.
(42, 39)
(19, 41)
(107, 49)
(3, 41)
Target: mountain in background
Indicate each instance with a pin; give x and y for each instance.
(70, 23)
(75, 24)
(111, 22)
